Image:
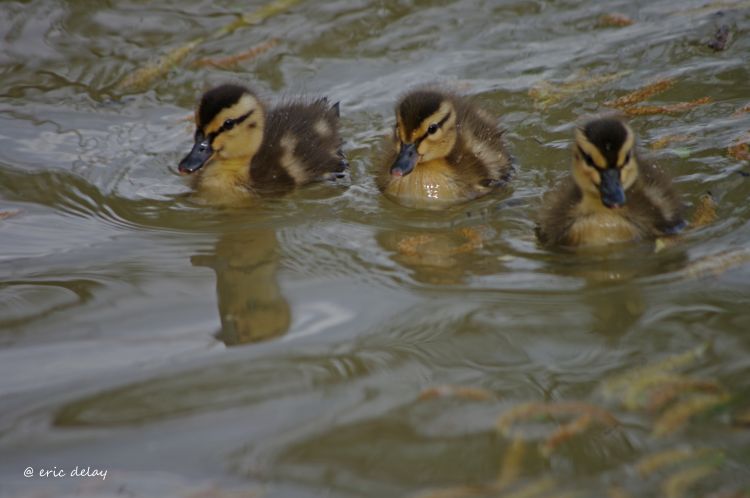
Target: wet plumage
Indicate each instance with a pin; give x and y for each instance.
(443, 150)
(241, 149)
(611, 196)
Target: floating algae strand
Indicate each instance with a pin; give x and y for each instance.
(673, 457)
(676, 485)
(566, 432)
(583, 416)
(631, 386)
(145, 76)
(714, 265)
(614, 21)
(657, 386)
(233, 60)
(662, 142)
(142, 78)
(628, 103)
(546, 94)
(512, 464)
(4, 215)
(461, 392)
(648, 110)
(678, 415)
(529, 411)
(641, 94)
(740, 148)
(667, 392)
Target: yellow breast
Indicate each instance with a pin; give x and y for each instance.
(225, 182)
(430, 186)
(601, 228)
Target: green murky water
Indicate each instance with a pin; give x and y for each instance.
(294, 350)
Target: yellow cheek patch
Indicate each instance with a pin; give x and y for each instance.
(587, 178)
(218, 143)
(594, 176)
(400, 132)
(626, 147)
(629, 174)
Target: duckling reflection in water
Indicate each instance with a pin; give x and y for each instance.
(241, 149)
(436, 257)
(612, 196)
(251, 305)
(443, 151)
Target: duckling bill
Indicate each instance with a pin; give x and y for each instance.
(443, 151)
(611, 196)
(241, 149)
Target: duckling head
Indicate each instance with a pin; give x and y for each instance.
(229, 125)
(425, 130)
(604, 164)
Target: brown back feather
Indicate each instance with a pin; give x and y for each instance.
(653, 204)
(486, 133)
(556, 214)
(318, 154)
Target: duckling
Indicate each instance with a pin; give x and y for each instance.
(443, 151)
(611, 196)
(241, 149)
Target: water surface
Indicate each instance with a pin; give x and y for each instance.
(294, 349)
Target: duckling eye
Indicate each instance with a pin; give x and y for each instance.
(228, 124)
(627, 157)
(433, 128)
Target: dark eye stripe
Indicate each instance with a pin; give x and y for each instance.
(234, 122)
(439, 124)
(587, 158)
(224, 127)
